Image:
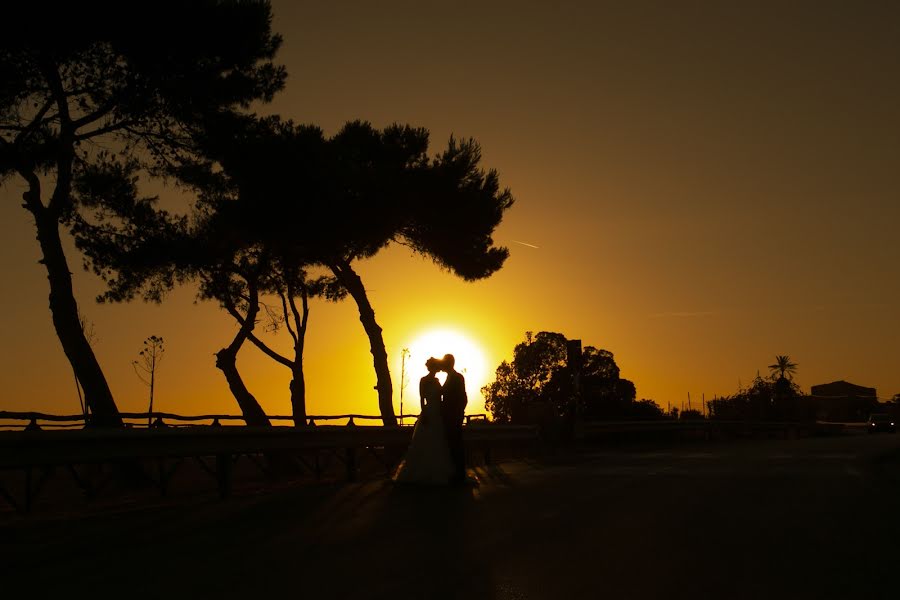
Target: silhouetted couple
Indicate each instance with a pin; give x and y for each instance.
(436, 454)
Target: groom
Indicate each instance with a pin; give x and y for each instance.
(453, 409)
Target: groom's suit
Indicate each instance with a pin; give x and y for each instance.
(453, 408)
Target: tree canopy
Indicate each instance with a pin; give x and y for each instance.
(304, 201)
(539, 379)
(784, 367)
(73, 75)
(772, 398)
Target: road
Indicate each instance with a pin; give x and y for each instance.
(811, 518)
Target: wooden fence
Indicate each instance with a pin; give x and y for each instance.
(91, 457)
(42, 445)
(12, 420)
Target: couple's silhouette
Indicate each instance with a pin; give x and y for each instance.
(436, 454)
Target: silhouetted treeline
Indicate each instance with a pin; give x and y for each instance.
(775, 398)
(539, 385)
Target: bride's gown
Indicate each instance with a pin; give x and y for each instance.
(428, 457)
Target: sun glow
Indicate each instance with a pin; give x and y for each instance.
(470, 361)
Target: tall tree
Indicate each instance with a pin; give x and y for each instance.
(317, 202)
(334, 201)
(138, 249)
(236, 255)
(75, 76)
(241, 300)
(527, 378)
(290, 284)
(784, 367)
(785, 391)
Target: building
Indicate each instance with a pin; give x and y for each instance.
(842, 401)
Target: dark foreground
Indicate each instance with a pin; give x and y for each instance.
(814, 518)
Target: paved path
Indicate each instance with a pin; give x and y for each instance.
(815, 518)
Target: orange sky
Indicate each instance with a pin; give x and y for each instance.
(708, 186)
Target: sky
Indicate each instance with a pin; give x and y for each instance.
(699, 186)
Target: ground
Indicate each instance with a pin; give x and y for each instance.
(810, 518)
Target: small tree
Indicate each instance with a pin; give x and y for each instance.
(146, 365)
(785, 395)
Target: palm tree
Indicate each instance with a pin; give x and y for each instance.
(783, 366)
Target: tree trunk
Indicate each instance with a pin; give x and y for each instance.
(298, 383)
(97, 395)
(351, 281)
(298, 393)
(226, 361)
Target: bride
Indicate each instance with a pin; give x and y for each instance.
(428, 457)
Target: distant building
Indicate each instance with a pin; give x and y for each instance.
(842, 401)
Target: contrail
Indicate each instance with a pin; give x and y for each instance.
(526, 244)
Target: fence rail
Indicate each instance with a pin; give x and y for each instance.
(92, 456)
(36, 450)
(12, 420)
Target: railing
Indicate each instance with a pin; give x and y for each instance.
(31, 455)
(713, 429)
(42, 444)
(13, 421)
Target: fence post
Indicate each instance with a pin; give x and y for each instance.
(161, 472)
(351, 464)
(29, 492)
(223, 473)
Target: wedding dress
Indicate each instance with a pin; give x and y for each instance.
(428, 457)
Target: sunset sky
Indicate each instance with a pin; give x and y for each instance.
(699, 187)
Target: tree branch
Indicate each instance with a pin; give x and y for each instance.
(287, 322)
(57, 94)
(36, 120)
(64, 158)
(304, 299)
(247, 323)
(103, 130)
(32, 196)
(269, 352)
(94, 116)
(242, 321)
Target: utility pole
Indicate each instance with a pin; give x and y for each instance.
(573, 423)
(403, 354)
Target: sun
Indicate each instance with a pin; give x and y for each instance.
(470, 361)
